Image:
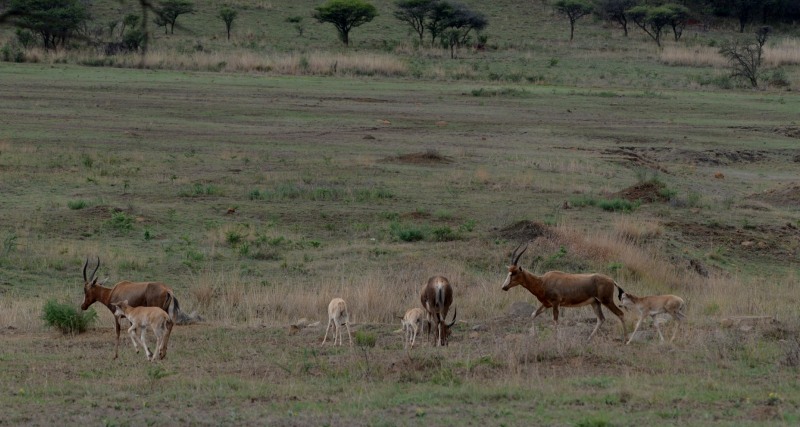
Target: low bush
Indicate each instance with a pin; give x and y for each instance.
(66, 317)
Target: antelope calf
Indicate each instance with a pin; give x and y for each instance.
(150, 294)
(337, 315)
(557, 289)
(412, 322)
(653, 306)
(436, 297)
(141, 318)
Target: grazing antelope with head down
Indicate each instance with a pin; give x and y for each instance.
(558, 289)
(653, 306)
(436, 298)
(412, 322)
(141, 318)
(148, 294)
(337, 315)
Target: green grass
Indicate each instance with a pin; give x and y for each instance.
(324, 208)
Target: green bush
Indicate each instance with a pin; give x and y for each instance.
(77, 204)
(67, 318)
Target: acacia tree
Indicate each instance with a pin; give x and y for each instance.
(651, 20)
(463, 21)
(679, 15)
(169, 11)
(227, 15)
(54, 20)
(616, 11)
(439, 17)
(746, 60)
(574, 10)
(414, 13)
(345, 15)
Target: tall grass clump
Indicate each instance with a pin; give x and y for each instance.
(67, 318)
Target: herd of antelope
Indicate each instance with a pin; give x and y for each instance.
(153, 305)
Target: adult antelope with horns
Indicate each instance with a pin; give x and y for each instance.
(436, 298)
(148, 294)
(558, 289)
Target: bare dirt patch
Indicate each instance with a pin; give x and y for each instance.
(524, 231)
(648, 192)
(785, 196)
(429, 157)
(751, 242)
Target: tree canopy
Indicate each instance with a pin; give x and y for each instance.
(54, 20)
(345, 15)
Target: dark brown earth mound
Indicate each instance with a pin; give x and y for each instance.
(787, 196)
(646, 192)
(423, 157)
(524, 231)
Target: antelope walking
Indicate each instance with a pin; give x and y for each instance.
(148, 294)
(436, 298)
(141, 318)
(412, 322)
(338, 315)
(652, 306)
(558, 289)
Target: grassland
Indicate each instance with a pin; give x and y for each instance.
(258, 196)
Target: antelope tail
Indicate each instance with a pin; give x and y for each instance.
(173, 308)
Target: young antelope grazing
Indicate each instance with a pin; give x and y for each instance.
(412, 322)
(337, 315)
(653, 306)
(141, 318)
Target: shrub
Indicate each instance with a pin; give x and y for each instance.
(67, 318)
(406, 233)
(121, 221)
(615, 205)
(77, 204)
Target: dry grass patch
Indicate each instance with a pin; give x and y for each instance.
(782, 52)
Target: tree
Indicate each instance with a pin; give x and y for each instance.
(415, 13)
(170, 10)
(54, 20)
(439, 17)
(345, 15)
(746, 60)
(743, 10)
(574, 10)
(651, 20)
(679, 15)
(227, 15)
(616, 11)
(464, 20)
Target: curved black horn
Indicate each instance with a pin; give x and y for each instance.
(514, 262)
(84, 269)
(95, 269)
(455, 313)
(514, 253)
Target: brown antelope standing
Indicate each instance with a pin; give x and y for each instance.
(652, 306)
(141, 318)
(436, 298)
(557, 289)
(412, 322)
(148, 294)
(338, 315)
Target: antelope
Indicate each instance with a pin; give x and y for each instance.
(652, 306)
(141, 317)
(436, 298)
(558, 289)
(148, 294)
(337, 315)
(412, 322)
